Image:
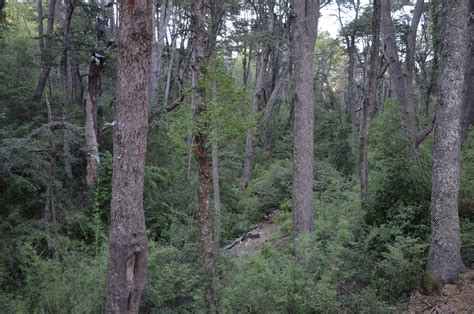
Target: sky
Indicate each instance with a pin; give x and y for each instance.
(329, 22)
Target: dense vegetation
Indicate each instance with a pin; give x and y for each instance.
(364, 256)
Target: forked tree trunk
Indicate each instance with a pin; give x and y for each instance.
(370, 103)
(306, 15)
(128, 244)
(444, 257)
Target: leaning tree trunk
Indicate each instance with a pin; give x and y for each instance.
(370, 103)
(306, 15)
(128, 244)
(444, 257)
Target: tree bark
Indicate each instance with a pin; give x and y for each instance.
(203, 53)
(215, 164)
(157, 50)
(96, 65)
(69, 6)
(45, 47)
(402, 81)
(370, 103)
(305, 19)
(257, 96)
(128, 243)
(468, 110)
(444, 257)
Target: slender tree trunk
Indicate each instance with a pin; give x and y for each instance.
(266, 124)
(444, 257)
(170, 72)
(215, 164)
(257, 96)
(45, 47)
(157, 52)
(306, 15)
(96, 65)
(402, 81)
(468, 109)
(128, 244)
(370, 103)
(193, 110)
(69, 6)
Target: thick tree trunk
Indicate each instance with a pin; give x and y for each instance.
(96, 65)
(45, 47)
(444, 257)
(370, 104)
(69, 6)
(306, 15)
(257, 96)
(128, 244)
(468, 110)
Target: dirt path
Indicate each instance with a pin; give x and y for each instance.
(255, 239)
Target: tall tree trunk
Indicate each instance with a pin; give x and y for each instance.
(69, 6)
(128, 243)
(370, 103)
(157, 51)
(402, 81)
(170, 72)
(444, 257)
(306, 15)
(215, 163)
(468, 110)
(96, 65)
(45, 47)
(257, 96)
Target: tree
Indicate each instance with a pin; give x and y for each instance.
(128, 244)
(468, 111)
(370, 103)
(444, 257)
(305, 27)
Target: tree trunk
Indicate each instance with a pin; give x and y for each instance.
(215, 164)
(402, 82)
(306, 15)
(370, 103)
(201, 150)
(170, 71)
(257, 96)
(45, 47)
(444, 257)
(157, 52)
(468, 110)
(69, 6)
(128, 244)
(96, 65)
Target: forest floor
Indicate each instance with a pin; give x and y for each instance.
(253, 240)
(454, 298)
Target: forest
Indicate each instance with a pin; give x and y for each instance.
(236, 156)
